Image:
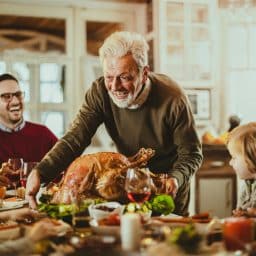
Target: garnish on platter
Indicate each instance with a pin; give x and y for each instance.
(64, 211)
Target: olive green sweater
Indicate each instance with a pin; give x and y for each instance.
(164, 122)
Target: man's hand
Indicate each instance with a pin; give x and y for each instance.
(172, 186)
(32, 188)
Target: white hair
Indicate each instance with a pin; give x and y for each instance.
(122, 43)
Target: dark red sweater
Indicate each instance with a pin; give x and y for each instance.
(30, 143)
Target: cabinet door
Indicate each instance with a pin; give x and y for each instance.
(215, 196)
(185, 33)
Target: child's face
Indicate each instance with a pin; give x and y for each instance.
(238, 162)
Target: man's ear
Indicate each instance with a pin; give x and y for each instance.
(145, 73)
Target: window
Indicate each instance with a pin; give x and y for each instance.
(45, 89)
(241, 68)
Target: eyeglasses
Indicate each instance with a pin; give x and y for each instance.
(8, 96)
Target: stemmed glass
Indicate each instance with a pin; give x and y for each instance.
(27, 167)
(15, 164)
(138, 184)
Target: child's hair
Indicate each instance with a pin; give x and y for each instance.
(244, 136)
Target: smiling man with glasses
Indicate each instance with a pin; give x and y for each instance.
(20, 138)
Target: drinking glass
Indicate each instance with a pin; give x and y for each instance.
(80, 216)
(237, 233)
(15, 164)
(138, 184)
(27, 167)
(161, 183)
(2, 195)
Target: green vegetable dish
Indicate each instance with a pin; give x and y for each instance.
(187, 238)
(65, 211)
(161, 204)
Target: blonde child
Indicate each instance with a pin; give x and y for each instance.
(242, 148)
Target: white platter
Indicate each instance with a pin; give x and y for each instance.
(104, 229)
(8, 205)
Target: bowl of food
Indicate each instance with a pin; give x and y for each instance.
(103, 210)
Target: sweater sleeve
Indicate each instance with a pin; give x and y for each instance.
(189, 150)
(78, 137)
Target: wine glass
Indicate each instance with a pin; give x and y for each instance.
(138, 184)
(15, 165)
(27, 167)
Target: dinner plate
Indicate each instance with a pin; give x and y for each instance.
(8, 205)
(104, 229)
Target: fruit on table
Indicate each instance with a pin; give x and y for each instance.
(208, 138)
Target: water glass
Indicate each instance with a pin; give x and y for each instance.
(80, 216)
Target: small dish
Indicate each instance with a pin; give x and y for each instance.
(103, 210)
(104, 229)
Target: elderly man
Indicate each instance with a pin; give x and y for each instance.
(139, 109)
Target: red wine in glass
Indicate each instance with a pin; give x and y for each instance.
(15, 165)
(23, 182)
(25, 171)
(138, 197)
(138, 184)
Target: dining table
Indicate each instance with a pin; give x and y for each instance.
(94, 240)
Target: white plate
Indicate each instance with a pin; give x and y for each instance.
(8, 205)
(104, 229)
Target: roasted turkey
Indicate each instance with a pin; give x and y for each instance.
(101, 174)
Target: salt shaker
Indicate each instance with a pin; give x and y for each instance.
(130, 231)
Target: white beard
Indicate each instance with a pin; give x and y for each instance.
(122, 103)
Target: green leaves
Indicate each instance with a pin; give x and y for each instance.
(186, 237)
(60, 211)
(162, 204)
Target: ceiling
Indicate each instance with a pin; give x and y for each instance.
(18, 28)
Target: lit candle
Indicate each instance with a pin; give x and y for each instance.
(130, 231)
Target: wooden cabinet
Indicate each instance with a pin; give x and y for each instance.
(216, 183)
